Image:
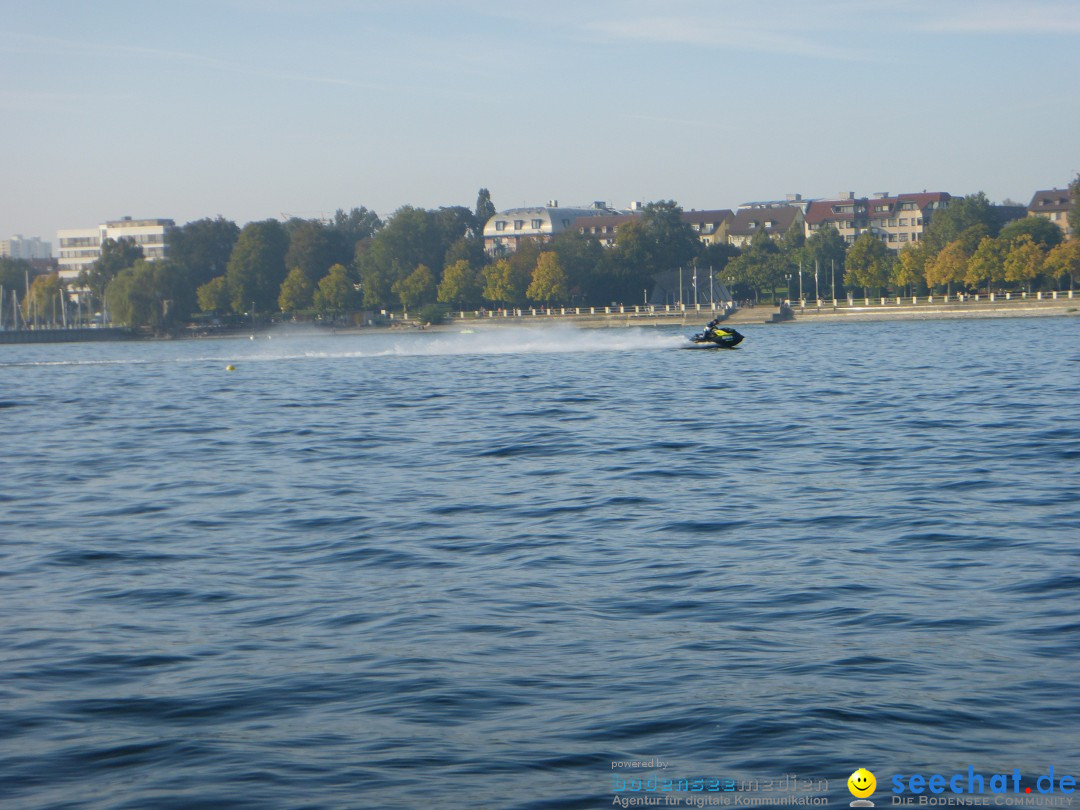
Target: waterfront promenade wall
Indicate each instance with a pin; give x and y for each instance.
(904, 308)
(63, 335)
(896, 308)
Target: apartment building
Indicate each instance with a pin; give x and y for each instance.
(81, 247)
(605, 227)
(21, 247)
(711, 227)
(1053, 204)
(505, 230)
(895, 220)
(771, 218)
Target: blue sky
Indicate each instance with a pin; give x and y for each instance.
(261, 108)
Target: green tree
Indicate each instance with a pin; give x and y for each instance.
(971, 237)
(314, 247)
(908, 268)
(296, 291)
(760, 267)
(1064, 260)
(949, 266)
(655, 242)
(717, 256)
(336, 293)
(948, 223)
(1073, 215)
(44, 299)
(484, 211)
(416, 288)
(548, 280)
(581, 259)
(1042, 231)
(505, 283)
(129, 297)
(454, 222)
(256, 268)
(467, 248)
(116, 255)
(14, 273)
(869, 263)
(412, 237)
(459, 285)
(825, 252)
(674, 243)
(202, 248)
(155, 294)
(353, 227)
(1024, 261)
(213, 296)
(987, 263)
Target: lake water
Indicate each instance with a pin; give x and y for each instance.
(475, 569)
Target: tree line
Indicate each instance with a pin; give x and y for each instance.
(415, 260)
(422, 259)
(965, 246)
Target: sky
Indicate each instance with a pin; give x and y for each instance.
(256, 109)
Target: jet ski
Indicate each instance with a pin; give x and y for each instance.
(720, 337)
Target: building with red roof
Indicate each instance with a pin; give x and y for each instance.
(1053, 204)
(896, 220)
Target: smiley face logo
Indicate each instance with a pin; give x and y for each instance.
(862, 783)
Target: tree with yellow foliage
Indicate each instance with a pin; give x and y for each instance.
(948, 267)
(548, 279)
(1024, 261)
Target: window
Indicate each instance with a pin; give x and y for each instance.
(500, 224)
(536, 224)
(908, 206)
(519, 224)
(903, 237)
(903, 223)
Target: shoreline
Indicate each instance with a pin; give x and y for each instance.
(1019, 308)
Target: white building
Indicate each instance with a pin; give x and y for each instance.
(20, 247)
(505, 230)
(81, 247)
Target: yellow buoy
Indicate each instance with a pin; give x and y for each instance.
(230, 368)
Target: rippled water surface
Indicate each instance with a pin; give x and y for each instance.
(473, 570)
